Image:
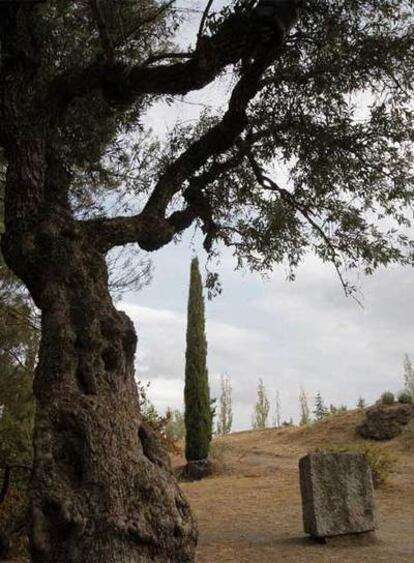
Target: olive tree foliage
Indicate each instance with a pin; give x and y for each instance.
(335, 111)
(349, 166)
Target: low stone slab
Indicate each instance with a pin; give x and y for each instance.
(337, 494)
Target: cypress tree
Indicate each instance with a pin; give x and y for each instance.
(198, 419)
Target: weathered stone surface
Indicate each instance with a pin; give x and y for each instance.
(196, 470)
(384, 422)
(337, 494)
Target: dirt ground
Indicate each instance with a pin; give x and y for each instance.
(250, 510)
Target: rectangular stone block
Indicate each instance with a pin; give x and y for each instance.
(337, 494)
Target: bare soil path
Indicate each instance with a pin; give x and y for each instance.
(250, 511)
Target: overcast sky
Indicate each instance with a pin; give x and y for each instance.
(288, 333)
(291, 334)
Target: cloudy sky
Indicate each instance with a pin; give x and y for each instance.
(290, 334)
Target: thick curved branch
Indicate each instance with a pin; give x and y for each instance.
(197, 200)
(165, 56)
(215, 141)
(121, 230)
(239, 37)
(150, 232)
(151, 229)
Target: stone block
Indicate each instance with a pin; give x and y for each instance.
(337, 494)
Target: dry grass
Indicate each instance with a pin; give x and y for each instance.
(250, 512)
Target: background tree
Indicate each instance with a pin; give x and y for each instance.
(76, 79)
(175, 428)
(361, 404)
(18, 349)
(288, 423)
(277, 420)
(304, 408)
(213, 412)
(320, 411)
(19, 334)
(408, 375)
(261, 407)
(198, 413)
(225, 407)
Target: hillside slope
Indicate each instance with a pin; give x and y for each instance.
(250, 510)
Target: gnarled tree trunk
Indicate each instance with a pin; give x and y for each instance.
(102, 488)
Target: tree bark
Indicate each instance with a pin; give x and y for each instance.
(102, 488)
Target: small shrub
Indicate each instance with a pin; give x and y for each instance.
(408, 437)
(158, 422)
(410, 427)
(218, 452)
(405, 397)
(381, 461)
(387, 398)
(12, 528)
(175, 428)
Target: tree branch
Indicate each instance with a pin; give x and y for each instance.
(151, 229)
(203, 21)
(267, 183)
(102, 30)
(240, 36)
(165, 56)
(146, 21)
(117, 231)
(216, 140)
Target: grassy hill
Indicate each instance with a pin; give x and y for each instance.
(250, 510)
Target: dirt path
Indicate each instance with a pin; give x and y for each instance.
(251, 513)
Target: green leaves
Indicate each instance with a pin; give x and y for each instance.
(338, 125)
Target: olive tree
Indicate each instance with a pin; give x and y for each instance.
(76, 80)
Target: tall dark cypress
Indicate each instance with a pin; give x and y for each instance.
(198, 418)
